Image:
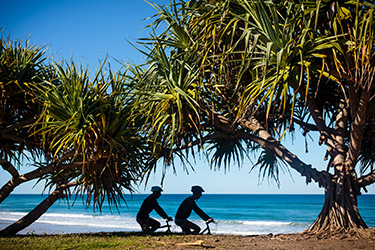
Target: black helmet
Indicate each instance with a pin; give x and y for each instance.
(156, 189)
(197, 189)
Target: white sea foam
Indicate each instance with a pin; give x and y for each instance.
(79, 223)
(266, 223)
(73, 223)
(255, 227)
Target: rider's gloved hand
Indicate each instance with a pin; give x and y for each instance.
(170, 218)
(210, 220)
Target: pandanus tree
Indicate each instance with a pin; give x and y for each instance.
(89, 124)
(229, 77)
(21, 66)
(80, 130)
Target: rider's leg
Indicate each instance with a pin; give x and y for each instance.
(144, 225)
(188, 227)
(154, 224)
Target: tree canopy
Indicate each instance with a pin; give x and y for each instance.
(79, 132)
(233, 76)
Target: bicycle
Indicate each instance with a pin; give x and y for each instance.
(207, 228)
(166, 225)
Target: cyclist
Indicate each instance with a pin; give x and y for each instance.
(148, 224)
(185, 209)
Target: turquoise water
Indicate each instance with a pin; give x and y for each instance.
(242, 214)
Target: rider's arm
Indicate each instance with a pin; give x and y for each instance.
(160, 211)
(200, 212)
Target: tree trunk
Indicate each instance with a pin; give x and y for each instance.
(340, 210)
(17, 179)
(35, 214)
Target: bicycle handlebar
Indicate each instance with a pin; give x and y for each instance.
(208, 222)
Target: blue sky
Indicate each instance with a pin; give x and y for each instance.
(88, 31)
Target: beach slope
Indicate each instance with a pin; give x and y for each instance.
(130, 240)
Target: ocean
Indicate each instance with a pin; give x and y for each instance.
(239, 214)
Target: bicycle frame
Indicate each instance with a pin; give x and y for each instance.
(167, 225)
(207, 228)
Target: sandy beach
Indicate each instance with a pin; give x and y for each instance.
(363, 239)
(345, 241)
(136, 240)
(282, 241)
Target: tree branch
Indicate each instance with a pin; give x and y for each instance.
(265, 140)
(37, 212)
(366, 180)
(222, 123)
(340, 128)
(356, 134)
(37, 173)
(7, 166)
(17, 125)
(325, 135)
(309, 126)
